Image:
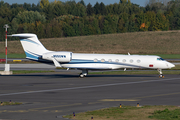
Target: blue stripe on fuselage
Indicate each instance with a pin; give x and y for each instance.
(28, 55)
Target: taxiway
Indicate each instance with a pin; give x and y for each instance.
(48, 96)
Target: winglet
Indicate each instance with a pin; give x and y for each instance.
(56, 63)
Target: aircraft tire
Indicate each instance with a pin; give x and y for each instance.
(81, 75)
(161, 76)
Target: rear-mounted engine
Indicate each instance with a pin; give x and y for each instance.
(59, 56)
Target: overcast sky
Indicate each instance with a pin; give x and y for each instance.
(106, 2)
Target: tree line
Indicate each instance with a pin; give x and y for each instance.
(65, 19)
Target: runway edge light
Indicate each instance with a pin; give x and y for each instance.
(137, 104)
(120, 105)
(74, 114)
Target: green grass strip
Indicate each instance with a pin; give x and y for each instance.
(29, 71)
(166, 114)
(169, 56)
(10, 55)
(143, 72)
(130, 113)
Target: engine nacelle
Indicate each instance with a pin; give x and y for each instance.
(59, 56)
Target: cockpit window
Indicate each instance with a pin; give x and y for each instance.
(160, 59)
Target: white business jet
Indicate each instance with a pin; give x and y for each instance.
(36, 51)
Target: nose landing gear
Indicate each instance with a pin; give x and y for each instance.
(160, 73)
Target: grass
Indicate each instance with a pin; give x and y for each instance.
(12, 55)
(10, 103)
(128, 113)
(166, 114)
(134, 72)
(159, 42)
(170, 56)
(29, 71)
(177, 67)
(20, 62)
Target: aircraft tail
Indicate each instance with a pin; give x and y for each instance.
(31, 45)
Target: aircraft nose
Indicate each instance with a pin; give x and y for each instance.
(170, 65)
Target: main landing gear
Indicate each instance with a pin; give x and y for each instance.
(83, 74)
(160, 73)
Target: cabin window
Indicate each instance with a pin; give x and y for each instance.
(131, 61)
(124, 60)
(117, 60)
(138, 61)
(95, 60)
(160, 59)
(102, 60)
(110, 60)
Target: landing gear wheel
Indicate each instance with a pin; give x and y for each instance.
(161, 76)
(160, 73)
(81, 75)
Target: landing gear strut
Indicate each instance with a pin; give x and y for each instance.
(83, 74)
(160, 73)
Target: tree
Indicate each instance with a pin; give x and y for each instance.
(44, 3)
(29, 17)
(129, 3)
(116, 8)
(27, 6)
(123, 1)
(68, 30)
(48, 10)
(82, 2)
(123, 23)
(102, 9)
(56, 28)
(106, 28)
(121, 28)
(109, 9)
(97, 8)
(59, 9)
(89, 10)
(79, 10)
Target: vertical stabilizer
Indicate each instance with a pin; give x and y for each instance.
(31, 45)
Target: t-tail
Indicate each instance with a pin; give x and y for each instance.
(31, 45)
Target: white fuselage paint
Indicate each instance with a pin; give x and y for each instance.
(113, 61)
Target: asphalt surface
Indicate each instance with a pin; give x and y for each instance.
(30, 67)
(48, 96)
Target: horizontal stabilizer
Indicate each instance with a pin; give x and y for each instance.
(22, 35)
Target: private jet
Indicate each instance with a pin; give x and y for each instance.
(35, 51)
